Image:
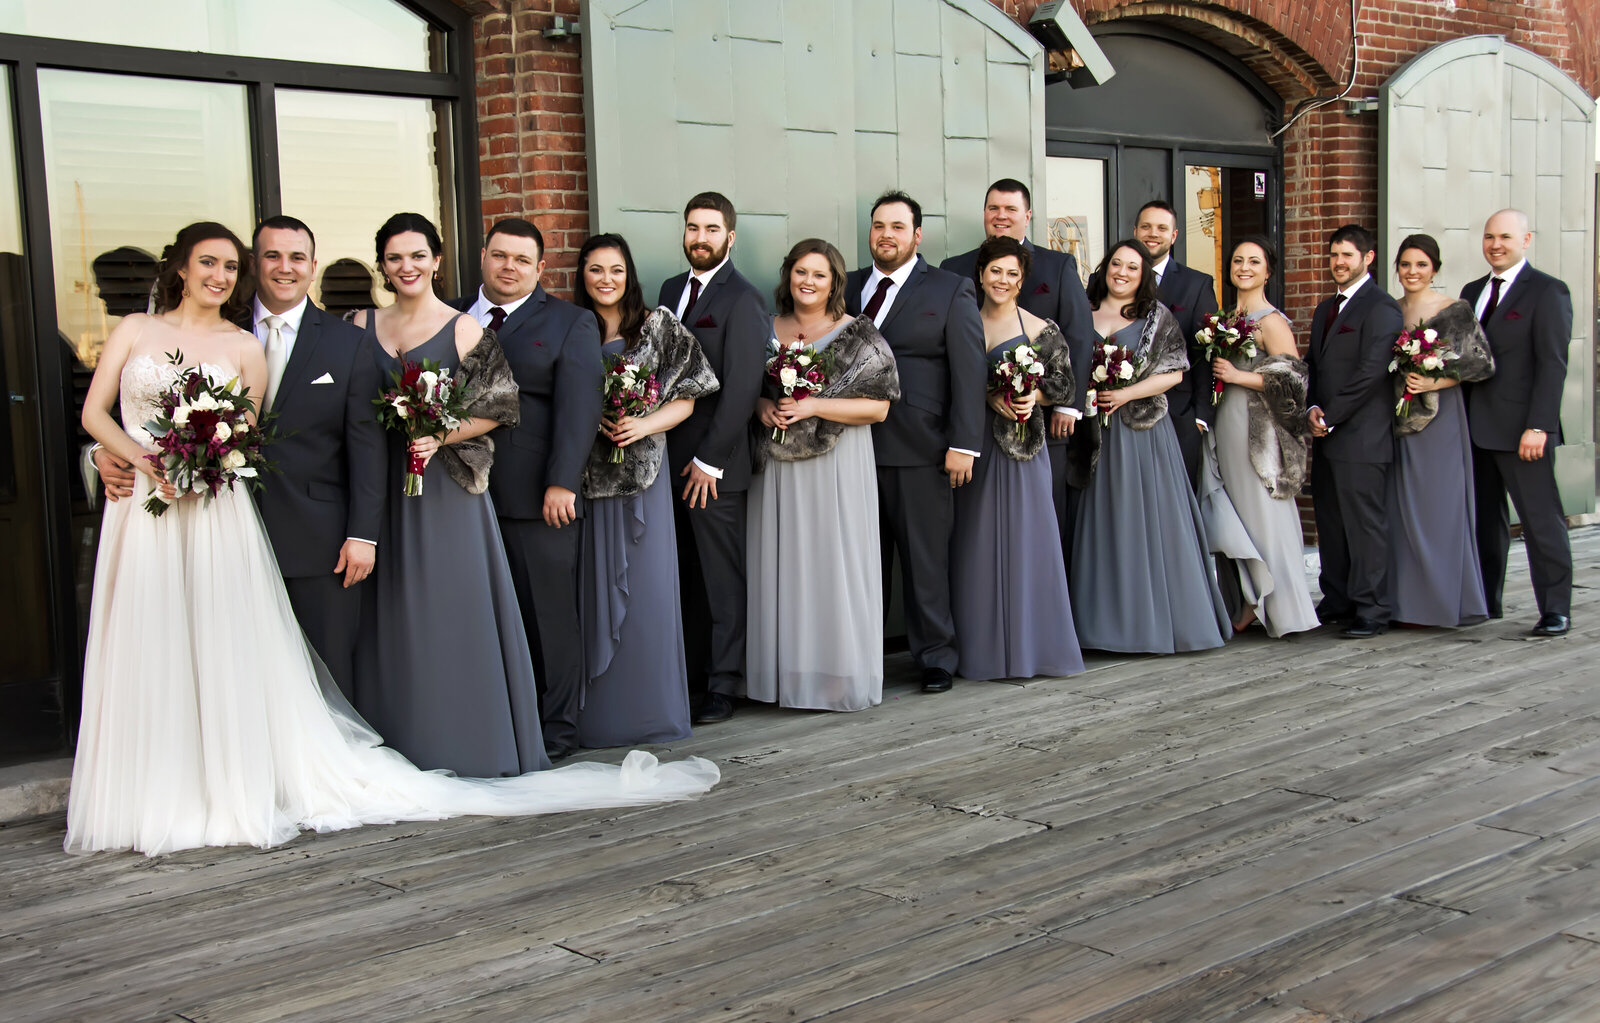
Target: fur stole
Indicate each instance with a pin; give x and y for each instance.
(1161, 349)
(1278, 427)
(1457, 326)
(491, 390)
(681, 371)
(1055, 389)
(863, 367)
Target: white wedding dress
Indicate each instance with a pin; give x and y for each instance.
(208, 721)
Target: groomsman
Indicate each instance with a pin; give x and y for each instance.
(1055, 292)
(553, 348)
(710, 452)
(323, 508)
(926, 446)
(1515, 419)
(1352, 421)
(1192, 296)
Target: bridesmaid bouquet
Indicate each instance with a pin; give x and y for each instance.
(629, 389)
(1230, 337)
(205, 437)
(421, 402)
(797, 371)
(1420, 350)
(1015, 375)
(1113, 367)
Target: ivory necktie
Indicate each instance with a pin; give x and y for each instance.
(694, 295)
(1494, 301)
(276, 358)
(876, 302)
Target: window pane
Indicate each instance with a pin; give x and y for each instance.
(1077, 213)
(347, 163)
(370, 33)
(1202, 234)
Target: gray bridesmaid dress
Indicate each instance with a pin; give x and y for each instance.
(1008, 589)
(1141, 569)
(632, 620)
(444, 673)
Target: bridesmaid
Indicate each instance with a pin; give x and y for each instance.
(445, 674)
(1433, 554)
(632, 620)
(1009, 591)
(1261, 452)
(816, 618)
(1140, 565)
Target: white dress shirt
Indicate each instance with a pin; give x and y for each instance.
(1160, 269)
(1508, 278)
(480, 309)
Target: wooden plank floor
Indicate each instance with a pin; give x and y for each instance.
(1306, 831)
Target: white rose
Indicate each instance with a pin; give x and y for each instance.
(787, 376)
(206, 402)
(242, 429)
(1099, 374)
(804, 360)
(1432, 362)
(1125, 371)
(180, 416)
(1023, 353)
(223, 431)
(233, 460)
(1431, 334)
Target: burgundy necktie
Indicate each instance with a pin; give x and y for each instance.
(497, 318)
(694, 295)
(876, 302)
(1333, 313)
(1494, 300)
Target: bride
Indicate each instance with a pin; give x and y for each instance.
(206, 718)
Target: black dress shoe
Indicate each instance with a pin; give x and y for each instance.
(936, 680)
(1552, 624)
(1363, 628)
(714, 708)
(1328, 616)
(556, 753)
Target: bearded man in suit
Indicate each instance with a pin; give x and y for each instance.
(1515, 419)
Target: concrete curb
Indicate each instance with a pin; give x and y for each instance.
(34, 790)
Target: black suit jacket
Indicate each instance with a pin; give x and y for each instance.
(1192, 296)
(1053, 291)
(731, 323)
(553, 348)
(936, 335)
(1529, 334)
(1349, 367)
(329, 450)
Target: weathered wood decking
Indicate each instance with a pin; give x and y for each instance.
(1278, 832)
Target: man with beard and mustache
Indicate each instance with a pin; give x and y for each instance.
(925, 447)
(710, 451)
(1192, 296)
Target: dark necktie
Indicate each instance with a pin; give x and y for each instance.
(694, 295)
(876, 302)
(1494, 301)
(1333, 313)
(497, 318)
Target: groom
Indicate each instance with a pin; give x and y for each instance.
(323, 506)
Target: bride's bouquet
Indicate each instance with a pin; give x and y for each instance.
(1230, 337)
(1420, 350)
(421, 402)
(1113, 367)
(628, 389)
(1016, 375)
(204, 436)
(797, 371)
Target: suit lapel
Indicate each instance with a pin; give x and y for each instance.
(294, 370)
(903, 295)
(523, 313)
(1508, 301)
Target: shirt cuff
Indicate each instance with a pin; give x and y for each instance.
(964, 451)
(362, 539)
(1067, 410)
(1202, 423)
(711, 471)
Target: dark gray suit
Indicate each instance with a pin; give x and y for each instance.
(331, 482)
(1053, 291)
(1528, 332)
(1192, 296)
(936, 335)
(731, 323)
(553, 348)
(1349, 366)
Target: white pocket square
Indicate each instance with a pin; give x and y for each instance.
(326, 378)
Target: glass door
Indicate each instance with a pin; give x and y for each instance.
(1225, 198)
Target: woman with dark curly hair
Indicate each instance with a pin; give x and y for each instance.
(1142, 576)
